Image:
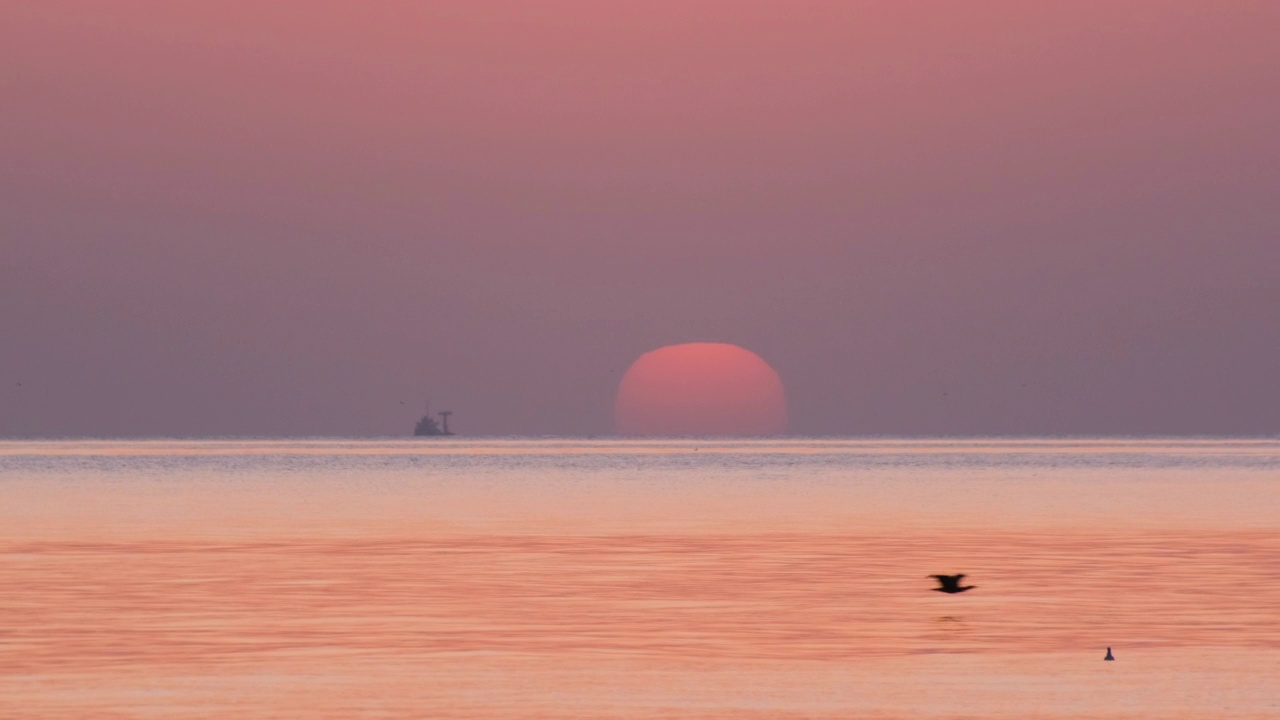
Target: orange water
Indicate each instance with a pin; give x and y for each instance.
(531, 579)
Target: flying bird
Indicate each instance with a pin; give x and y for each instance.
(950, 584)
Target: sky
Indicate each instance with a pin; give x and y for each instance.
(305, 217)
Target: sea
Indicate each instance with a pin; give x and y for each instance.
(605, 578)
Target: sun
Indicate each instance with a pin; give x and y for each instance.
(700, 389)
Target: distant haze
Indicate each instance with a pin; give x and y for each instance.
(306, 218)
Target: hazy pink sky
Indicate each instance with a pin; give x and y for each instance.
(288, 218)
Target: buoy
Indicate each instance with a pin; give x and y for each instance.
(1109, 656)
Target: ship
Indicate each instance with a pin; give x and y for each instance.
(429, 427)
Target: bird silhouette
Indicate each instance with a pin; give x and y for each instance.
(1109, 655)
(950, 584)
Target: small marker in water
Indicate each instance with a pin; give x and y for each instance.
(1109, 656)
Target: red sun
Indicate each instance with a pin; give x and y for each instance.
(700, 389)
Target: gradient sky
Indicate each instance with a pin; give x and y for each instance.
(289, 218)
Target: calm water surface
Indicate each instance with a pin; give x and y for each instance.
(594, 579)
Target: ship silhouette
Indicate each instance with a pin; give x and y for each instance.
(429, 427)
